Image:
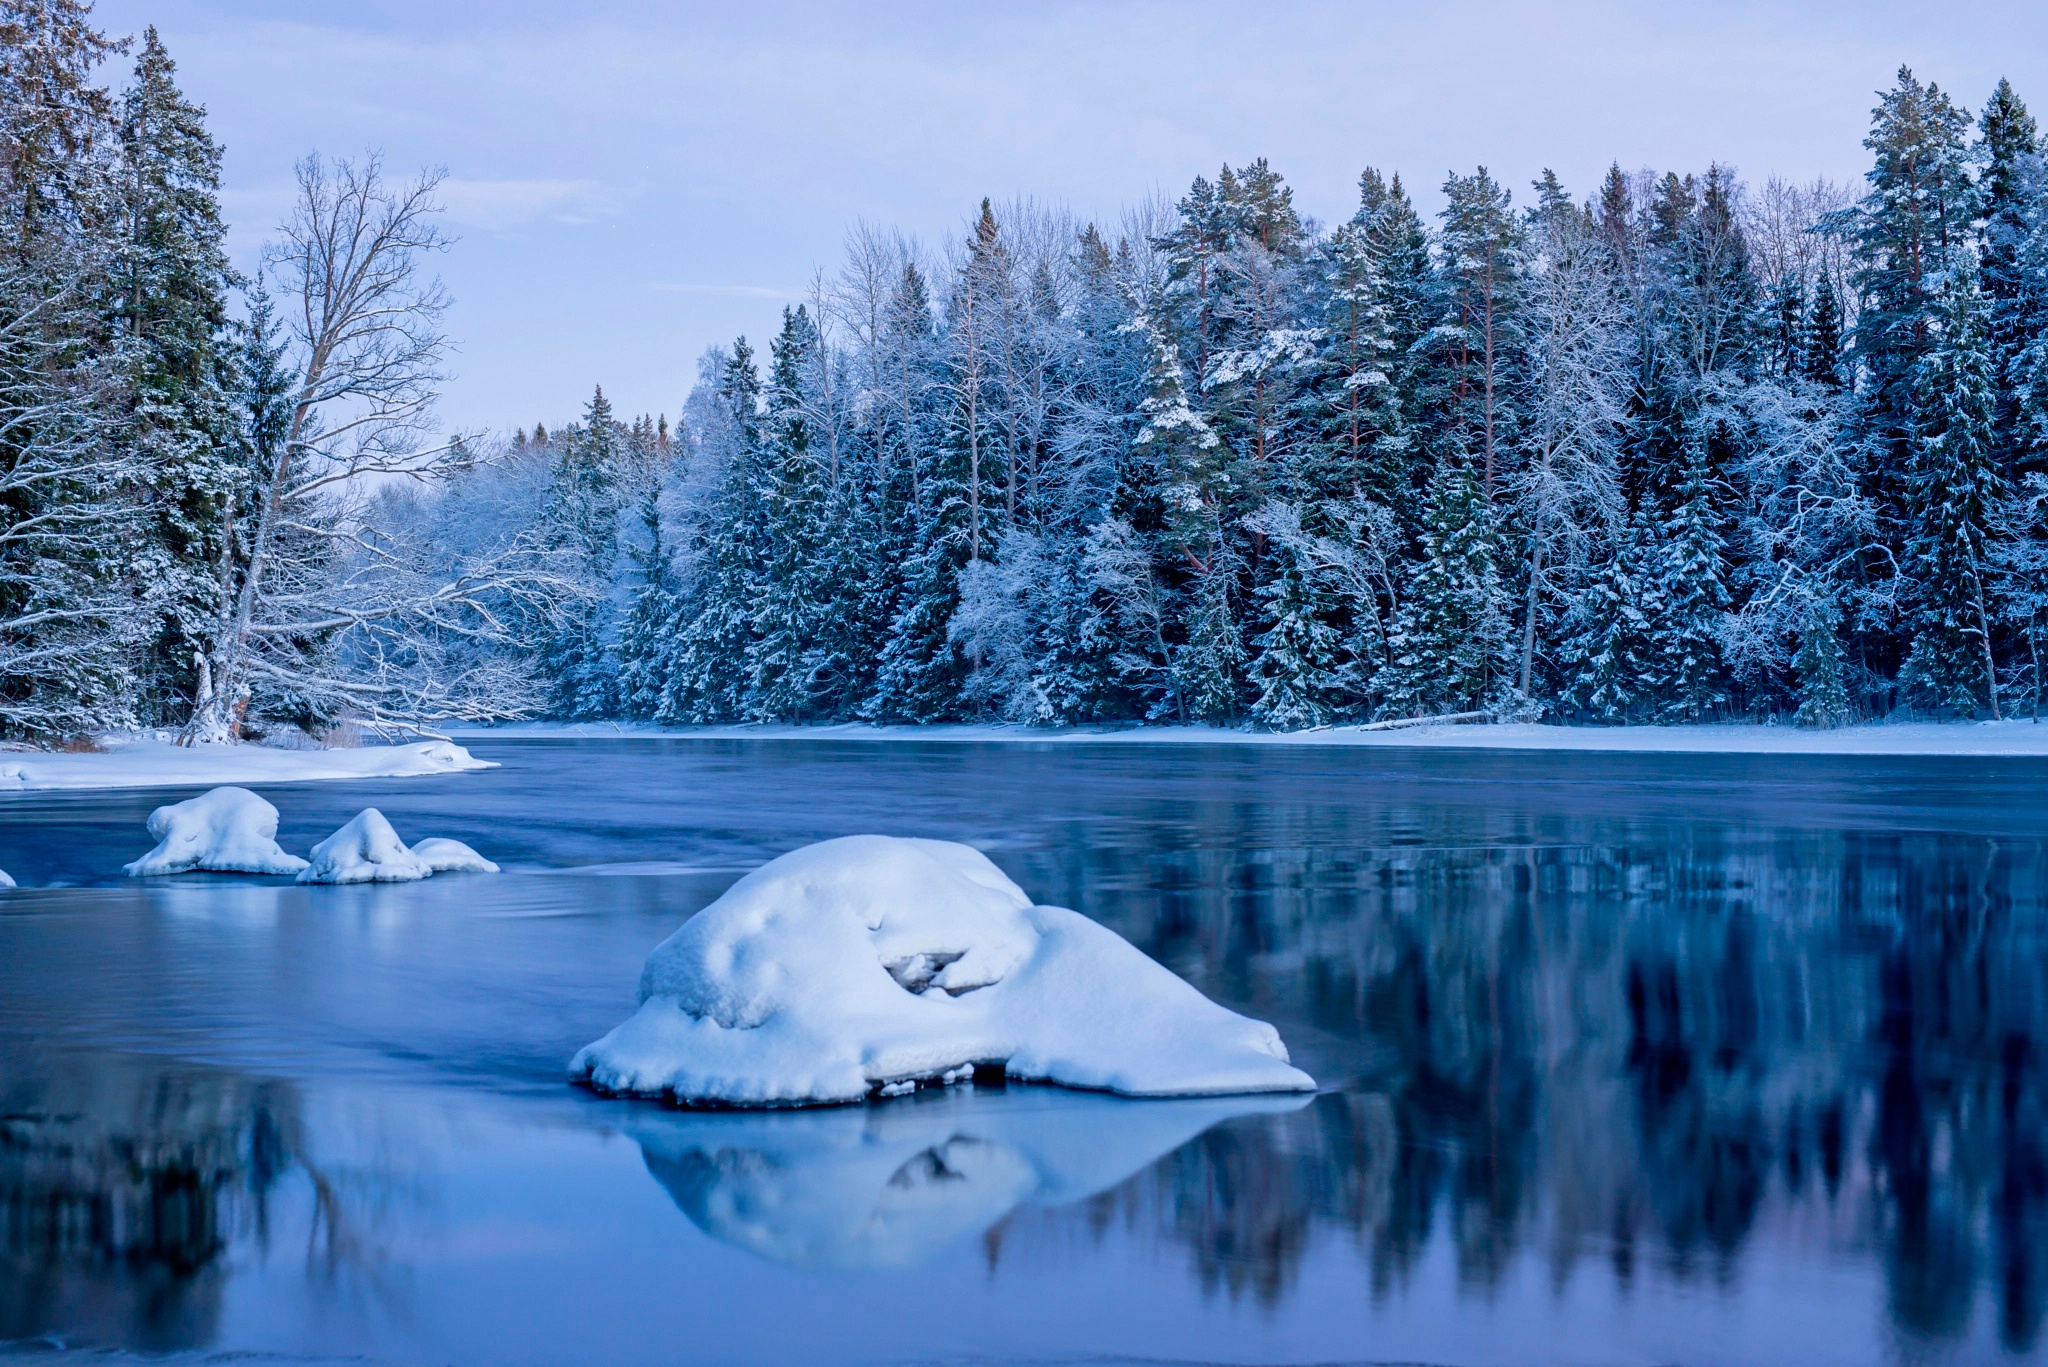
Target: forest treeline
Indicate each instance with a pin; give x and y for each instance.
(1681, 448)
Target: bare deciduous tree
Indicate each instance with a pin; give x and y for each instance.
(324, 610)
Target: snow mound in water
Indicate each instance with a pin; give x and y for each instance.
(5, 881)
(228, 830)
(367, 850)
(442, 855)
(870, 964)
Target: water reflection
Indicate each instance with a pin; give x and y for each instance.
(889, 1185)
(1619, 1054)
(121, 1190)
(1658, 1035)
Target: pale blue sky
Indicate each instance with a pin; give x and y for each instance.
(633, 182)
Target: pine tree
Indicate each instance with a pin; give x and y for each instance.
(1912, 229)
(1474, 352)
(1954, 491)
(1448, 639)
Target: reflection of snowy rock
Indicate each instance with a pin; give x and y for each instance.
(229, 830)
(888, 1186)
(871, 963)
(367, 850)
(441, 855)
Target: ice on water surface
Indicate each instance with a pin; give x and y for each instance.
(871, 963)
(227, 830)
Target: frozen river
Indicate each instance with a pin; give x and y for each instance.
(1625, 1059)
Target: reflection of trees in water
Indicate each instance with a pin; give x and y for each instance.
(122, 1187)
(1641, 1048)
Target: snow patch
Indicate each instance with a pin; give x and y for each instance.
(229, 830)
(442, 855)
(870, 964)
(149, 763)
(368, 850)
(5, 881)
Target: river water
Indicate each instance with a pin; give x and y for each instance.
(1624, 1059)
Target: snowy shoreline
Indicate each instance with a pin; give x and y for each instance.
(1989, 739)
(155, 764)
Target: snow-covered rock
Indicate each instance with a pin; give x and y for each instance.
(870, 964)
(441, 855)
(366, 850)
(889, 1186)
(5, 881)
(227, 830)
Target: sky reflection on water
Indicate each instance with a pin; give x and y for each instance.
(1692, 1059)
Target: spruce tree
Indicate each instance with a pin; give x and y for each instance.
(1951, 499)
(1447, 643)
(582, 514)
(1609, 654)
(712, 637)
(793, 603)
(171, 277)
(1818, 667)
(1297, 667)
(1693, 600)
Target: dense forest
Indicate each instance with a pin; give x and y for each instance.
(1683, 448)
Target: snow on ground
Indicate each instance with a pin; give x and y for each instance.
(229, 830)
(871, 964)
(2019, 738)
(143, 763)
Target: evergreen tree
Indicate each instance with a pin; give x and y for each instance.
(794, 601)
(1910, 232)
(582, 514)
(1693, 601)
(1609, 655)
(1821, 344)
(1474, 353)
(1297, 668)
(1823, 693)
(1954, 491)
(713, 632)
(171, 277)
(1447, 643)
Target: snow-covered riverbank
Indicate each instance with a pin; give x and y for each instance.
(153, 764)
(2019, 738)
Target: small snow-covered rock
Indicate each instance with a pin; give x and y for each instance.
(5, 881)
(227, 830)
(442, 855)
(366, 850)
(856, 966)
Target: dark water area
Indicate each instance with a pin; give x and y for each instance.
(1624, 1059)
